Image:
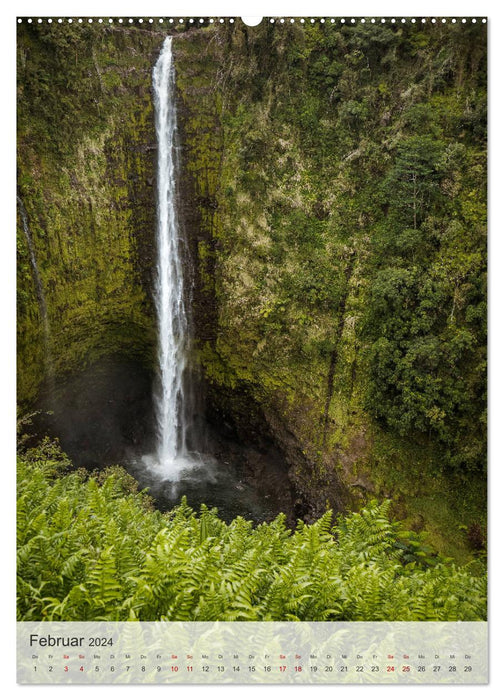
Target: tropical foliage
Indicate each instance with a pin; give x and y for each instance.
(93, 548)
(336, 175)
(363, 150)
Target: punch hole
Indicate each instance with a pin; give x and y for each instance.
(251, 21)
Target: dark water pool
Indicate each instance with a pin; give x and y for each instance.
(217, 484)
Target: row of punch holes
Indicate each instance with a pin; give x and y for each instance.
(231, 20)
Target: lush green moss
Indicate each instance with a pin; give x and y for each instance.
(86, 154)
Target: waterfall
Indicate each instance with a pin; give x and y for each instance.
(172, 314)
(39, 290)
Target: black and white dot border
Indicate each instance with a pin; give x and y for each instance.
(173, 21)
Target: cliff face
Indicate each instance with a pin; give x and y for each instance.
(333, 195)
(339, 192)
(86, 177)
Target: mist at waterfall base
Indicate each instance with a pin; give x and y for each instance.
(235, 478)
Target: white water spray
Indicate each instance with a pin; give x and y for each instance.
(173, 326)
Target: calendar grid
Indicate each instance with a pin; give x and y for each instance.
(249, 652)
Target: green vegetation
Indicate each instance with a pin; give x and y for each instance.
(91, 548)
(86, 163)
(335, 188)
(353, 207)
(346, 233)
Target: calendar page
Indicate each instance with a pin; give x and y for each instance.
(251, 350)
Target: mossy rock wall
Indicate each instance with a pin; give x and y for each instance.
(86, 177)
(345, 302)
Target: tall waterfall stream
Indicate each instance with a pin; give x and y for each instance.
(171, 399)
